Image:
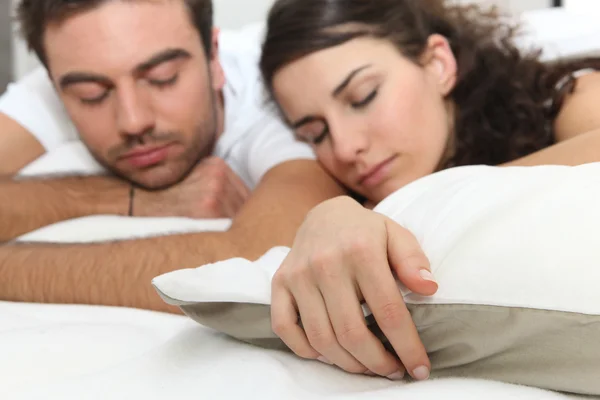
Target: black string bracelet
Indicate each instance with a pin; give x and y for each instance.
(131, 195)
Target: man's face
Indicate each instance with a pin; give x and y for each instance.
(137, 84)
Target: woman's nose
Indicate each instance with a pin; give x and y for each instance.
(349, 142)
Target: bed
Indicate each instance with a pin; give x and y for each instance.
(82, 352)
(90, 352)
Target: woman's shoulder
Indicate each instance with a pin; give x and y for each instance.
(578, 112)
(574, 76)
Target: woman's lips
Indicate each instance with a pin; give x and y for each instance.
(377, 174)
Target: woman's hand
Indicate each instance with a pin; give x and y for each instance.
(342, 254)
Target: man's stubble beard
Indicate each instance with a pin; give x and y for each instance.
(201, 146)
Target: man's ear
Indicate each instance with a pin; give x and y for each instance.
(439, 61)
(216, 70)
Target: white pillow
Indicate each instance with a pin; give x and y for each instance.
(69, 158)
(577, 36)
(516, 252)
(102, 228)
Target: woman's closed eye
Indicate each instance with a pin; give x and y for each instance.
(313, 132)
(319, 139)
(366, 100)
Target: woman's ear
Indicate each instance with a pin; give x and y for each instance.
(439, 61)
(216, 70)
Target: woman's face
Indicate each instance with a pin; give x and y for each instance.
(376, 120)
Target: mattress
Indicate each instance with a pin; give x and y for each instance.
(86, 352)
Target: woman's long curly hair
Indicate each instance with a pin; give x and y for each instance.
(505, 101)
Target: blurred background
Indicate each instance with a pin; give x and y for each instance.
(15, 61)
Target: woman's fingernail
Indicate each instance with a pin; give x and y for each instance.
(421, 373)
(396, 376)
(427, 275)
(324, 360)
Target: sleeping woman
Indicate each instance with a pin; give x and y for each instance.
(387, 92)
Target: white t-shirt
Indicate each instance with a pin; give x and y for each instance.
(254, 140)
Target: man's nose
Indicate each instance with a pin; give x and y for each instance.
(134, 113)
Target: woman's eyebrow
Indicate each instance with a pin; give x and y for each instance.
(339, 89)
(348, 79)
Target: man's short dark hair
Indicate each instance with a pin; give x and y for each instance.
(35, 15)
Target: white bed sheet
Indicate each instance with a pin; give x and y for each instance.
(83, 352)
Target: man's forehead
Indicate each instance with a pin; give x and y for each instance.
(120, 34)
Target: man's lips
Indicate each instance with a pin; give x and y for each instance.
(146, 157)
(376, 174)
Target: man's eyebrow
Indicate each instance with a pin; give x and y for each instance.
(164, 56)
(348, 79)
(74, 78)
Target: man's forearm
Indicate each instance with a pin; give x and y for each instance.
(111, 274)
(29, 204)
(120, 273)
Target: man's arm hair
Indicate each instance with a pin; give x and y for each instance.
(112, 274)
(29, 204)
(120, 273)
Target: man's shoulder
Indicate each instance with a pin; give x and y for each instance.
(239, 52)
(243, 42)
(246, 101)
(256, 139)
(33, 103)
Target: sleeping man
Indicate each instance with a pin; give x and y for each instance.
(176, 119)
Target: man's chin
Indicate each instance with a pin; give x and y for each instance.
(156, 178)
(151, 180)
(154, 184)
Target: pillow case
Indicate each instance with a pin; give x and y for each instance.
(69, 158)
(578, 36)
(516, 252)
